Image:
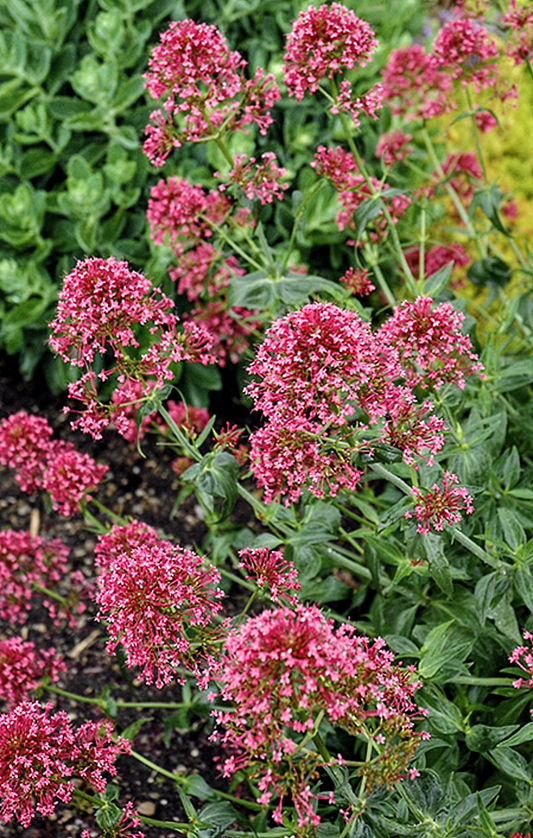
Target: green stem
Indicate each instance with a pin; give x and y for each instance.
(234, 246)
(182, 780)
(475, 548)
(297, 219)
(377, 468)
(461, 211)
(160, 705)
(183, 440)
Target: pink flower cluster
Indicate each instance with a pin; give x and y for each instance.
(23, 667)
(431, 349)
(418, 84)
(187, 216)
(41, 754)
(27, 563)
(270, 569)
(518, 21)
(323, 43)
(440, 505)
(50, 464)
(436, 258)
(104, 307)
(322, 377)
(156, 599)
(204, 90)
(340, 167)
(283, 667)
(258, 180)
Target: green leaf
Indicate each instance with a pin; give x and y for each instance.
(511, 763)
(445, 643)
(216, 817)
(215, 482)
(489, 271)
(435, 283)
(253, 291)
(488, 200)
(481, 738)
(444, 717)
(525, 734)
(513, 530)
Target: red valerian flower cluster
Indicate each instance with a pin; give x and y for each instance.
(523, 656)
(281, 669)
(186, 217)
(41, 754)
(440, 505)
(417, 84)
(270, 569)
(156, 599)
(28, 562)
(23, 666)
(203, 88)
(50, 464)
(330, 388)
(325, 42)
(106, 307)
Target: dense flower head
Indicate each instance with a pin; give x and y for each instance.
(69, 477)
(24, 443)
(49, 464)
(40, 755)
(289, 456)
(414, 86)
(203, 88)
(258, 179)
(432, 349)
(105, 308)
(152, 596)
(229, 329)
(100, 303)
(270, 569)
(183, 213)
(440, 505)
(323, 42)
(284, 666)
(23, 667)
(464, 50)
(121, 539)
(348, 102)
(27, 562)
(518, 21)
(357, 282)
(314, 362)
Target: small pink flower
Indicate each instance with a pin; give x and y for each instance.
(440, 505)
(269, 569)
(357, 282)
(323, 42)
(414, 85)
(23, 667)
(203, 88)
(523, 656)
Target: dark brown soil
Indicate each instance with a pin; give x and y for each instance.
(141, 488)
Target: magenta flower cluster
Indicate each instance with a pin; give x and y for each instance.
(40, 462)
(41, 754)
